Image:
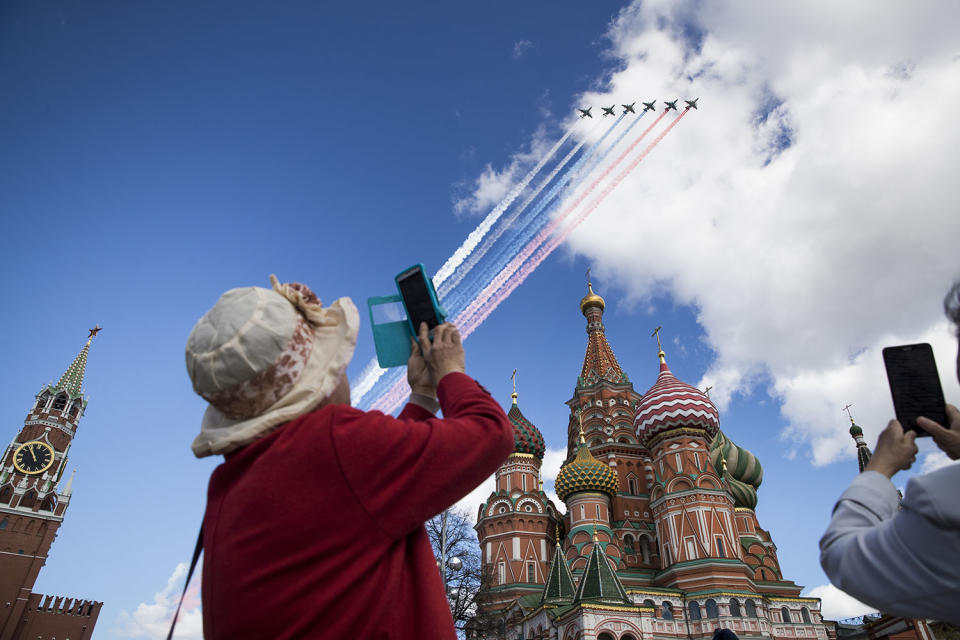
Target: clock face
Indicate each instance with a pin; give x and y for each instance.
(33, 457)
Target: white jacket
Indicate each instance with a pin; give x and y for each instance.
(901, 562)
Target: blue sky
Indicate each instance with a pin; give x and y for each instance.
(155, 156)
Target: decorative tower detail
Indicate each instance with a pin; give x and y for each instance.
(518, 523)
(32, 509)
(863, 451)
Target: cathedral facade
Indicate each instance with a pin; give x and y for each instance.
(33, 505)
(658, 538)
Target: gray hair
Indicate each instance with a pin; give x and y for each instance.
(951, 304)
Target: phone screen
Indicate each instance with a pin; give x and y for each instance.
(416, 297)
(915, 385)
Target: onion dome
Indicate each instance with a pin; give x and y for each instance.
(526, 437)
(671, 404)
(863, 451)
(585, 473)
(744, 495)
(740, 463)
(855, 430)
(591, 300)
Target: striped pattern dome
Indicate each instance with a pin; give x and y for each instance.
(526, 437)
(671, 404)
(585, 473)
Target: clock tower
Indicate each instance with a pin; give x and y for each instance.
(33, 501)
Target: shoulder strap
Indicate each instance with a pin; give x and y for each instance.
(193, 565)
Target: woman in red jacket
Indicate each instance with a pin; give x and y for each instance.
(314, 521)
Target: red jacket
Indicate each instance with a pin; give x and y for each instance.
(316, 530)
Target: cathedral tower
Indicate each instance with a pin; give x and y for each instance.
(32, 509)
(518, 523)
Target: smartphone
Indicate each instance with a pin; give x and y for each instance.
(419, 298)
(915, 385)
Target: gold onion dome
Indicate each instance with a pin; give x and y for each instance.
(585, 473)
(591, 300)
(526, 437)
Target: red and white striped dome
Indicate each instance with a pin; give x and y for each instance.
(671, 404)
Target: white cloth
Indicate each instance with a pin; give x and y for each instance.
(904, 562)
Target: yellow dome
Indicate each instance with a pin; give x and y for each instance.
(585, 473)
(591, 300)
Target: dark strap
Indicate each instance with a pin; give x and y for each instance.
(193, 565)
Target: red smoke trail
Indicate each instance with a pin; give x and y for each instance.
(547, 249)
(463, 319)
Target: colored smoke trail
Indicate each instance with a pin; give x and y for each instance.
(394, 396)
(463, 319)
(525, 231)
(477, 234)
(555, 242)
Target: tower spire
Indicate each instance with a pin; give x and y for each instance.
(599, 362)
(514, 395)
(72, 379)
(863, 451)
(660, 353)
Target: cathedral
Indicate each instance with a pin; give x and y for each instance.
(32, 507)
(658, 538)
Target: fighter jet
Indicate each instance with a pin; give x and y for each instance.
(608, 111)
(648, 106)
(628, 108)
(692, 104)
(585, 113)
(670, 105)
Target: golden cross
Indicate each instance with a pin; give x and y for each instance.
(588, 276)
(706, 391)
(847, 409)
(656, 334)
(514, 378)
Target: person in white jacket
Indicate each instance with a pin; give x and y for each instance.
(902, 561)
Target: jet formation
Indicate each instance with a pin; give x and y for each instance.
(647, 106)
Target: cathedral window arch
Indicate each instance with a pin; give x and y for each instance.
(582, 511)
(6, 494)
(501, 572)
(49, 503)
(29, 499)
(805, 614)
(667, 610)
(60, 402)
(598, 512)
(650, 603)
(628, 544)
(751, 608)
(679, 463)
(785, 614)
(43, 400)
(712, 610)
(632, 484)
(3, 523)
(735, 608)
(75, 408)
(605, 636)
(694, 608)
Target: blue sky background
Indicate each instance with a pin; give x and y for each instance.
(154, 156)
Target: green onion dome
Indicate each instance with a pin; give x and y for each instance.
(585, 473)
(526, 437)
(855, 429)
(741, 464)
(744, 495)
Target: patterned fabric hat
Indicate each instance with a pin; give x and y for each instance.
(262, 357)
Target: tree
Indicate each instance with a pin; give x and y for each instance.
(457, 551)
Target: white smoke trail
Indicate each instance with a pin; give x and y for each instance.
(368, 377)
(477, 234)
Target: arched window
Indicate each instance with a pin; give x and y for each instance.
(628, 544)
(785, 614)
(596, 443)
(75, 408)
(3, 523)
(581, 513)
(43, 400)
(667, 610)
(694, 611)
(501, 573)
(627, 636)
(49, 503)
(712, 610)
(650, 603)
(751, 608)
(805, 613)
(735, 608)
(605, 636)
(6, 494)
(60, 401)
(632, 482)
(29, 499)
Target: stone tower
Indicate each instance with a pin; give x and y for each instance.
(32, 509)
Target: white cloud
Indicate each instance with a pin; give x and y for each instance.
(836, 604)
(152, 620)
(806, 210)
(471, 502)
(935, 460)
(521, 47)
